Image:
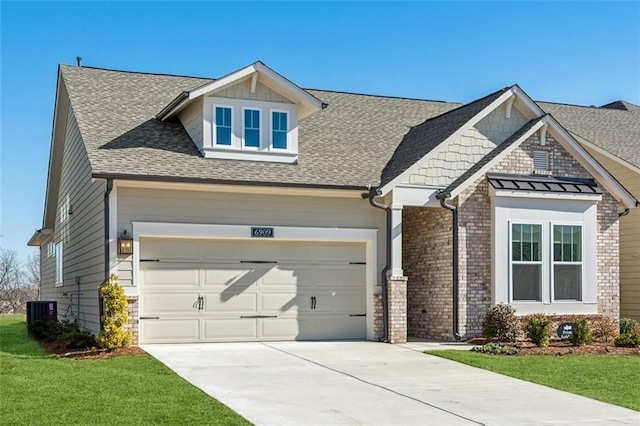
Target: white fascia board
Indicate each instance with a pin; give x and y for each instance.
(498, 158)
(40, 237)
(482, 114)
(415, 196)
(244, 155)
(223, 82)
(527, 101)
(605, 153)
(590, 164)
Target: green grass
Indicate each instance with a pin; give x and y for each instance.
(612, 379)
(37, 388)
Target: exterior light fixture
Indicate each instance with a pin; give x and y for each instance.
(125, 243)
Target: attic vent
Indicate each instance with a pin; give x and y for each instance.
(541, 162)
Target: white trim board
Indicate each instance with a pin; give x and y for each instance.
(281, 233)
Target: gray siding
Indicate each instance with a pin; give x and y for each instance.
(242, 90)
(154, 205)
(80, 226)
(192, 120)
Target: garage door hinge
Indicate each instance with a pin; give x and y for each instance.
(258, 261)
(357, 315)
(149, 260)
(357, 263)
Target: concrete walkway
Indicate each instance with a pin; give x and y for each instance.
(367, 383)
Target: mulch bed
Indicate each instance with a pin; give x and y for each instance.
(62, 352)
(563, 347)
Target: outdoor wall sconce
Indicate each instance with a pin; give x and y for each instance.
(125, 243)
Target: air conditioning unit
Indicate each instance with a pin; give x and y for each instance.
(41, 310)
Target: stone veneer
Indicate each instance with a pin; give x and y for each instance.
(132, 324)
(427, 250)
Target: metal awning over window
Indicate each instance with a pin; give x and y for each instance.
(543, 184)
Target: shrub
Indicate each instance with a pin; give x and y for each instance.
(496, 349)
(66, 335)
(629, 339)
(113, 334)
(501, 323)
(74, 338)
(539, 330)
(581, 334)
(604, 328)
(42, 329)
(628, 325)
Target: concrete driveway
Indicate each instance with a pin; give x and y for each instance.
(367, 383)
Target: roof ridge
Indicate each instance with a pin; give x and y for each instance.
(134, 72)
(373, 95)
(593, 107)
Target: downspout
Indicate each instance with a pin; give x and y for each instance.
(373, 192)
(107, 232)
(442, 197)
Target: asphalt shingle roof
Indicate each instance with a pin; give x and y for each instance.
(358, 140)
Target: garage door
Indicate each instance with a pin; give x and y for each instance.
(216, 290)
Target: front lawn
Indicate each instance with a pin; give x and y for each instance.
(609, 378)
(37, 388)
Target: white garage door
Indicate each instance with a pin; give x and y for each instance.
(218, 290)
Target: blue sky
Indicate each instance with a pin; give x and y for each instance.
(584, 53)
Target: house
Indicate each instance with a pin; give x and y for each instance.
(247, 208)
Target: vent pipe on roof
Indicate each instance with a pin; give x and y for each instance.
(79, 60)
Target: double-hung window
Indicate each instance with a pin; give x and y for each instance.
(279, 129)
(223, 125)
(252, 128)
(567, 262)
(526, 262)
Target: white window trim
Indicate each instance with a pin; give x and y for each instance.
(282, 111)
(511, 261)
(214, 127)
(261, 143)
(552, 263)
(237, 151)
(59, 255)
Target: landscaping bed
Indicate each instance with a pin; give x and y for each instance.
(563, 347)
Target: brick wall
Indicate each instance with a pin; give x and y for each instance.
(378, 324)
(132, 324)
(397, 299)
(427, 250)
(426, 260)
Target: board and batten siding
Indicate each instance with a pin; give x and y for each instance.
(200, 207)
(629, 239)
(192, 120)
(79, 226)
(242, 90)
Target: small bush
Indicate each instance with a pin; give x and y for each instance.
(496, 349)
(66, 335)
(501, 323)
(604, 328)
(42, 329)
(539, 330)
(581, 334)
(113, 334)
(74, 338)
(628, 325)
(628, 340)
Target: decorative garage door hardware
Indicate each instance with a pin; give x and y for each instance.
(258, 261)
(149, 318)
(357, 263)
(357, 315)
(258, 316)
(149, 260)
(199, 303)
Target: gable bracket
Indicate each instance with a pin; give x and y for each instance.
(254, 81)
(509, 106)
(543, 134)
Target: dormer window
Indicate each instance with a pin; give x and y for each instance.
(279, 129)
(223, 125)
(251, 128)
(247, 129)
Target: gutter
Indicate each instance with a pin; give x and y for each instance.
(168, 110)
(442, 197)
(107, 268)
(374, 192)
(623, 213)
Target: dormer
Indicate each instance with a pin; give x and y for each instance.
(251, 114)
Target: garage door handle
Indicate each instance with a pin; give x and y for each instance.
(149, 317)
(258, 316)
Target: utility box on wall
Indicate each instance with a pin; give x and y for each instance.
(41, 310)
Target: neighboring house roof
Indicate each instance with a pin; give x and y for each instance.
(356, 141)
(614, 130)
(422, 139)
(543, 184)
